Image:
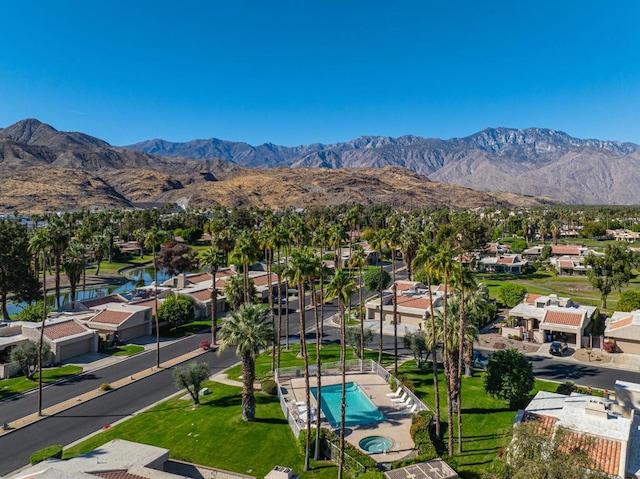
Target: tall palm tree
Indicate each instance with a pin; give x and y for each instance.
(83, 235)
(425, 259)
(73, 263)
(41, 243)
(377, 242)
(443, 265)
(280, 241)
(359, 260)
(213, 258)
(98, 248)
(59, 235)
(448, 331)
(245, 252)
(248, 330)
(300, 270)
(155, 238)
(320, 240)
(463, 282)
(266, 239)
(392, 240)
(337, 236)
(342, 286)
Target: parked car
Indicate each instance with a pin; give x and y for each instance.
(557, 348)
(480, 361)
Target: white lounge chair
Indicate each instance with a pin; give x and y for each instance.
(401, 399)
(397, 393)
(406, 403)
(412, 410)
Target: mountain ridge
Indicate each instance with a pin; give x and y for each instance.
(493, 159)
(49, 170)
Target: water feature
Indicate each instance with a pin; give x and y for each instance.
(359, 408)
(133, 278)
(375, 444)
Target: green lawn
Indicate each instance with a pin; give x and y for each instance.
(577, 288)
(128, 350)
(215, 435)
(11, 386)
(186, 329)
(486, 422)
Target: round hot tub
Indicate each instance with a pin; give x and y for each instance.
(375, 444)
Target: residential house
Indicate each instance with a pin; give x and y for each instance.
(624, 235)
(557, 250)
(121, 321)
(510, 263)
(624, 328)
(67, 336)
(413, 304)
(569, 265)
(549, 318)
(607, 431)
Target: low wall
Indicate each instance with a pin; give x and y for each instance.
(196, 471)
(9, 370)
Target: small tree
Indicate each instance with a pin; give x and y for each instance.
(512, 294)
(176, 310)
(373, 278)
(417, 343)
(176, 258)
(629, 300)
(32, 313)
(26, 355)
(509, 376)
(353, 339)
(190, 377)
(613, 270)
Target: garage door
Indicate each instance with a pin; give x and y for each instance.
(134, 332)
(74, 349)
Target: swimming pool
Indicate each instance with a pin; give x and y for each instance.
(359, 408)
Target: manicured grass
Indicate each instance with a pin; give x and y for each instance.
(486, 422)
(186, 329)
(115, 267)
(577, 288)
(128, 350)
(11, 386)
(215, 434)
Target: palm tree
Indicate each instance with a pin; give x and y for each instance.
(425, 259)
(337, 236)
(320, 239)
(377, 242)
(73, 263)
(98, 247)
(443, 265)
(41, 243)
(110, 234)
(267, 244)
(359, 260)
(59, 239)
(300, 270)
(453, 336)
(245, 252)
(234, 291)
(249, 331)
(463, 282)
(213, 258)
(342, 287)
(392, 240)
(155, 238)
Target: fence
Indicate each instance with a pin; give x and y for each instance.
(332, 452)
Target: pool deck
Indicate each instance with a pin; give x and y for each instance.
(395, 426)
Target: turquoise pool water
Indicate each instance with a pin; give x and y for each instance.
(359, 408)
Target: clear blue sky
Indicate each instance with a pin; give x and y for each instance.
(320, 71)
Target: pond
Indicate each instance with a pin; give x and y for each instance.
(134, 278)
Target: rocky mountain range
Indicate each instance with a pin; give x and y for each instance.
(43, 169)
(535, 161)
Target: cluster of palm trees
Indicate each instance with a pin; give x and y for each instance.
(293, 245)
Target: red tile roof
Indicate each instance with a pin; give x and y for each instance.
(604, 454)
(566, 264)
(198, 278)
(507, 260)
(531, 298)
(565, 249)
(414, 302)
(544, 424)
(404, 285)
(563, 318)
(63, 329)
(620, 323)
(116, 475)
(150, 303)
(264, 280)
(108, 316)
(204, 295)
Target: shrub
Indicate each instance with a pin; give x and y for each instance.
(269, 387)
(566, 388)
(328, 256)
(48, 452)
(205, 344)
(105, 387)
(512, 294)
(421, 435)
(609, 346)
